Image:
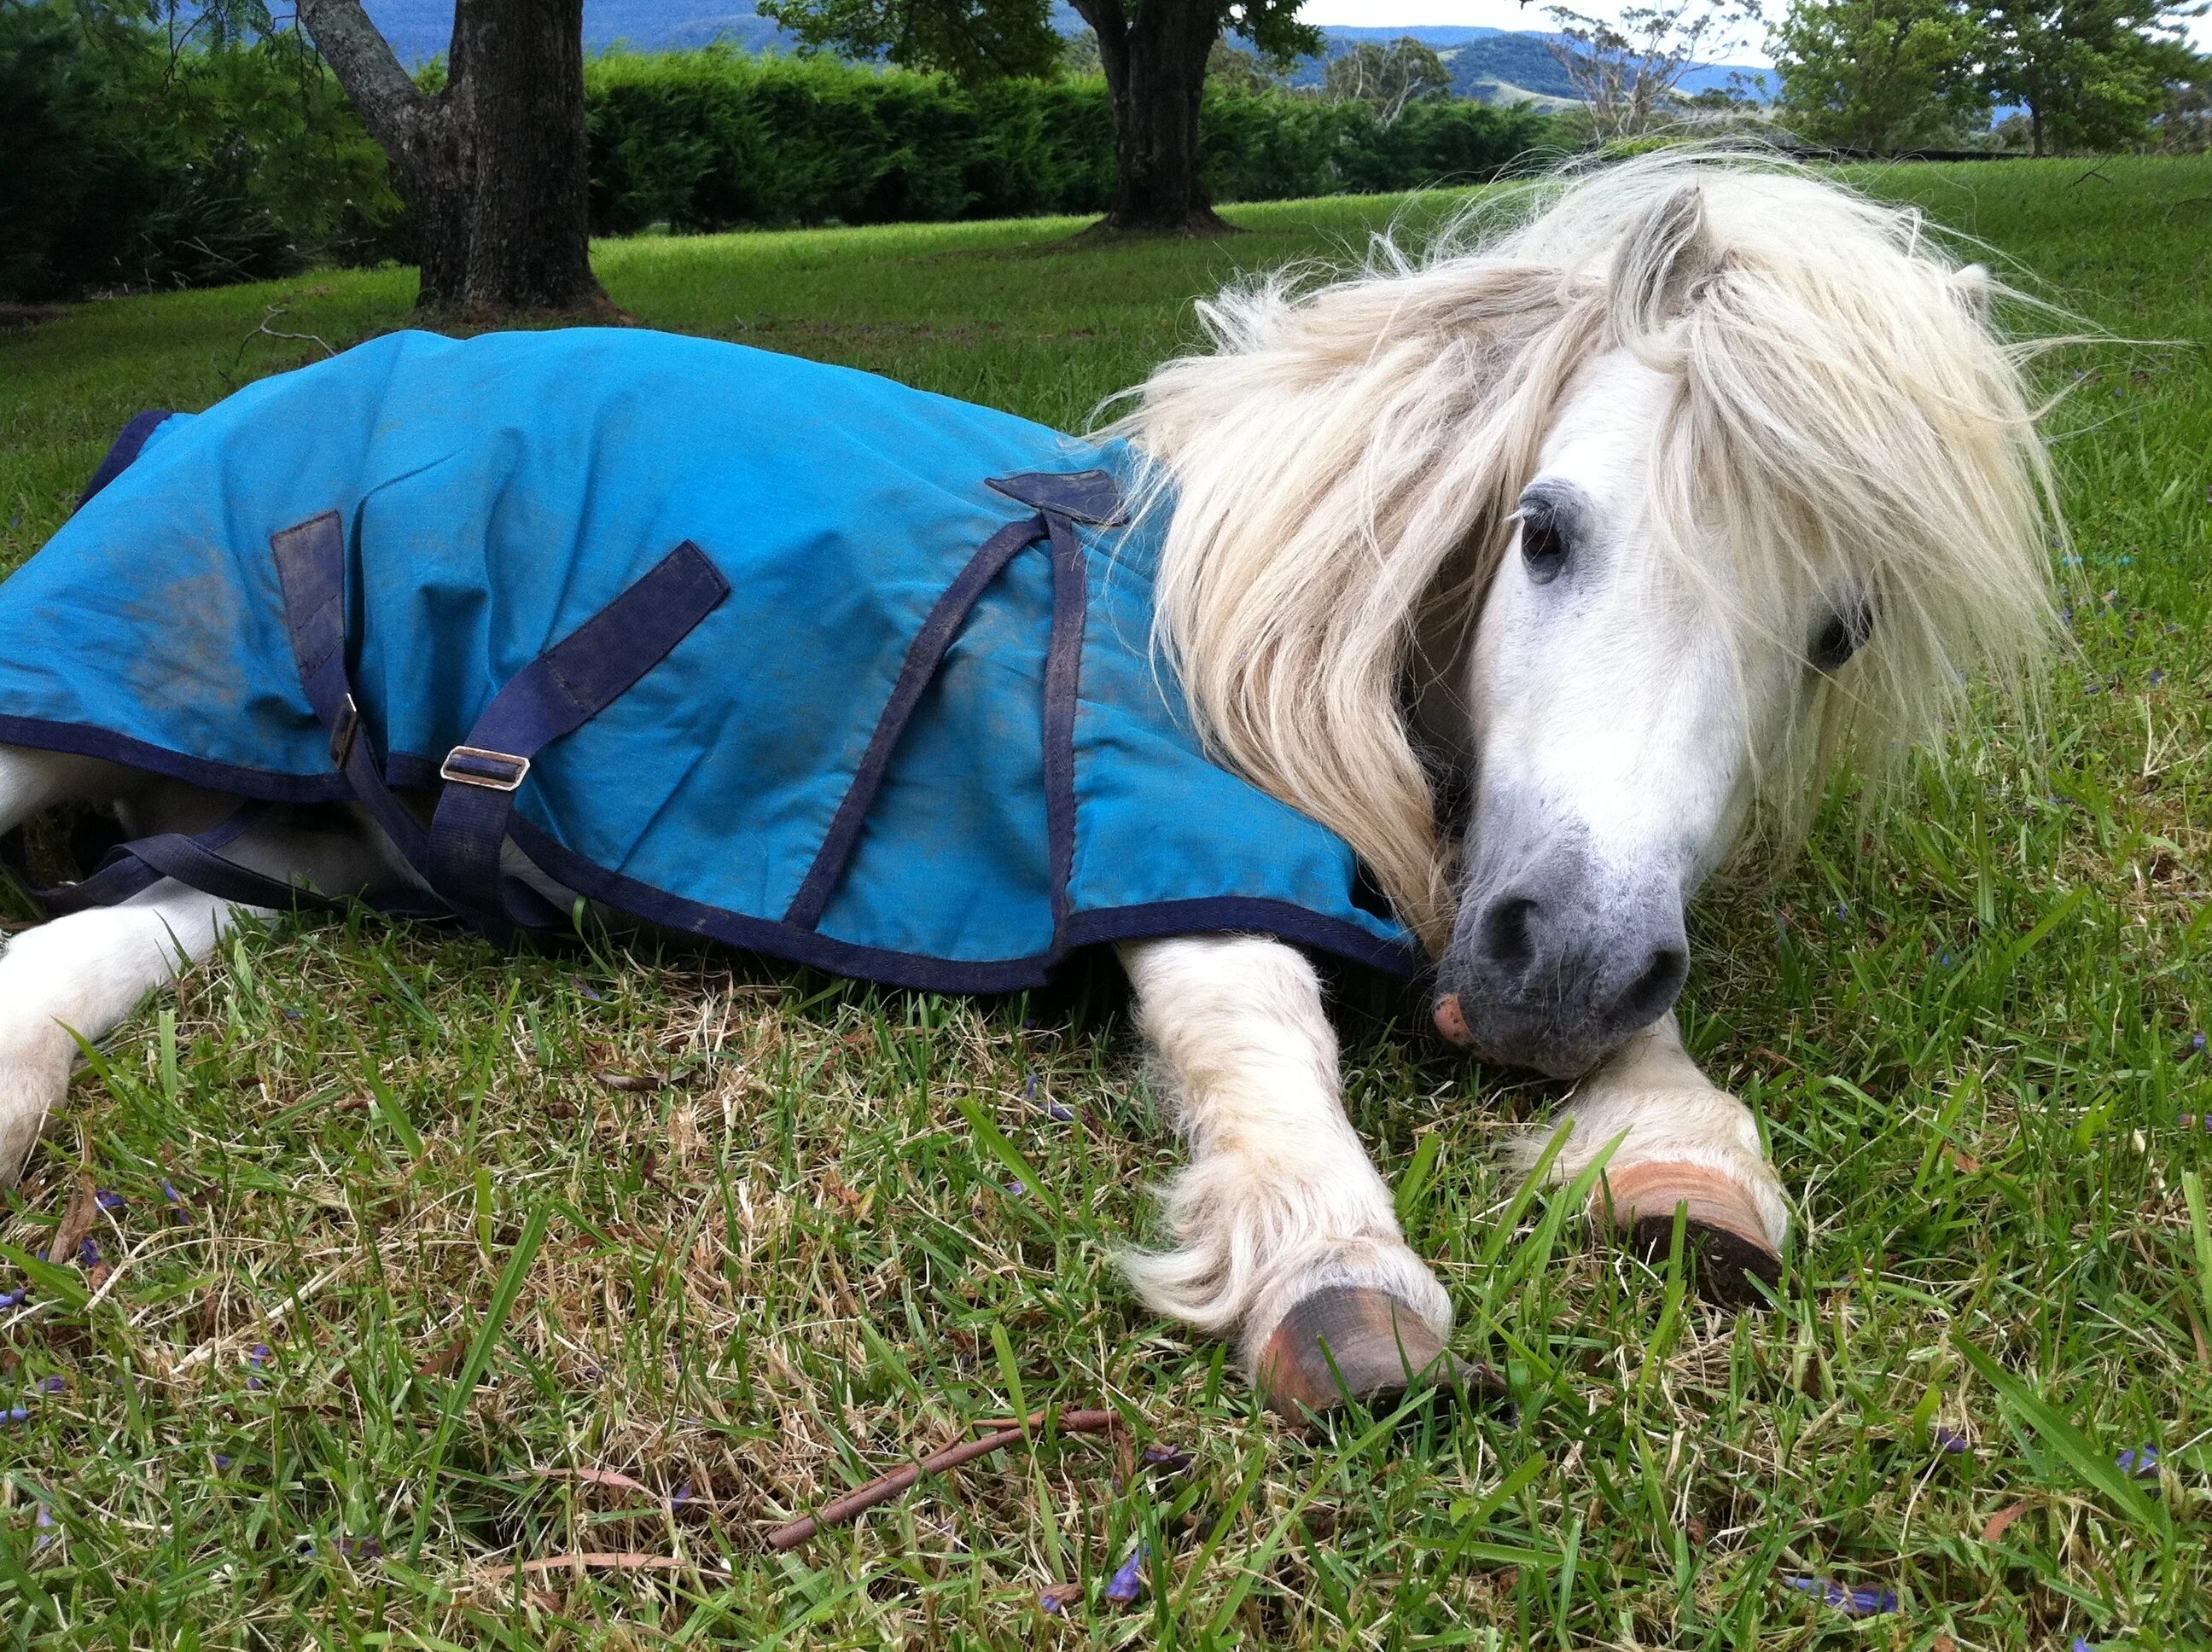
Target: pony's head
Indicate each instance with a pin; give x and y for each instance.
(1539, 564)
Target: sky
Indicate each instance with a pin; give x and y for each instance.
(1509, 14)
(1494, 14)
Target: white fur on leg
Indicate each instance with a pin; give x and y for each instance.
(34, 781)
(1671, 1113)
(1280, 1200)
(82, 974)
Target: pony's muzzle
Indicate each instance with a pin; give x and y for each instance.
(1541, 977)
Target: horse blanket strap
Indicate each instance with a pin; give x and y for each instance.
(560, 691)
(556, 694)
(916, 672)
(119, 457)
(311, 563)
(131, 868)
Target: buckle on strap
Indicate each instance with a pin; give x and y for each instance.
(496, 771)
(343, 732)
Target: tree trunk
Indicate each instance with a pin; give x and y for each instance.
(495, 165)
(1156, 76)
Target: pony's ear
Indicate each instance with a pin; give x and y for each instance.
(1975, 290)
(1661, 261)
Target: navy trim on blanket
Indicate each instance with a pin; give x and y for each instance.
(407, 770)
(784, 940)
(119, 457)
(1080, 495)
(81, 739)
(555, 695)
(923, 656)
(1063, 678)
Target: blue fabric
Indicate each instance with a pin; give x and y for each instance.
(497, 492)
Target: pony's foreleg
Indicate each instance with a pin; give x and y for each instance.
(81, 975)
(1286, 1239)
(1684, 1144)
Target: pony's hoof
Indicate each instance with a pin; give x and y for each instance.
(1349, 1343)
(1725, 1244)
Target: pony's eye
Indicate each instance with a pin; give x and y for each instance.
(1543, 543)
(1843, 635)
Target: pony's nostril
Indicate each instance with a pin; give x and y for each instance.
(1505, 932)
(1651, 994)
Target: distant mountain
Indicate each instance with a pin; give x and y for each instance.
(1495, 65)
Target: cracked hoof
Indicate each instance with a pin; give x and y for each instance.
(1724, 1240)
(1348, 1343)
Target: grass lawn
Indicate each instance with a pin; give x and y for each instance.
(425, 1276)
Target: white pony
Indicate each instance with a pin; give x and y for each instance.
(1539, 565)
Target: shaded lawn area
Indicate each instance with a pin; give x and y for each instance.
(1975, 1046)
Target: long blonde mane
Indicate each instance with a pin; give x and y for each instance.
(1344, 460)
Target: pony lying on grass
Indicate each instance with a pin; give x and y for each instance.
(1458, 617)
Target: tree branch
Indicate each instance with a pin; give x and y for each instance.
(391, 104)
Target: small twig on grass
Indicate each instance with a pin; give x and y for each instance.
(885, 1487)
(264, 330)
(2093, 171)
(612, 1561)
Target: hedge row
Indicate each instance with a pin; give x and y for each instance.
(716, 140)
(127, 166)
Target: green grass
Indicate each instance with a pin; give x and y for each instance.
(479, 1270)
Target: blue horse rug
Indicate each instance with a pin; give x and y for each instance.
(781, 653)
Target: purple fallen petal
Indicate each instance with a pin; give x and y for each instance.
(221, 1462)
(257, 1354)
(682, 1496)
(54, 1384)
(1018, 1187)
(1851, 1602)
(2140, 1464)
(87, 1254)
(1128, 1583)
(2081, 1645)
(1029, 1089)
(16, 1415)
(1065, 1115)
(46, 1528)
(1167, 1457)
(108, 1200)
(1950, 1440)
(13, 1298)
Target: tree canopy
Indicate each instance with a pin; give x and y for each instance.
(1388, 78)
(1153, 53)
(2090, 73)
(1881, 74)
